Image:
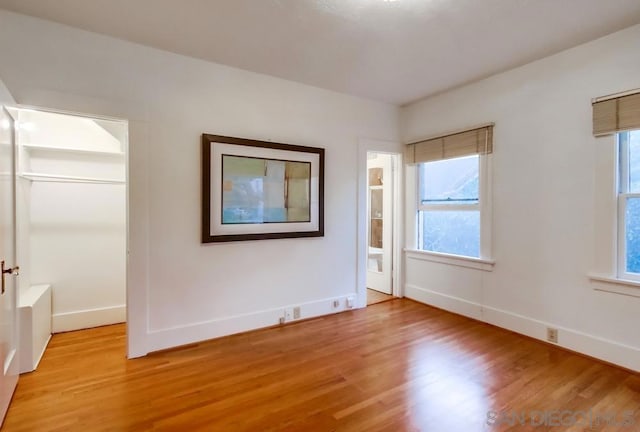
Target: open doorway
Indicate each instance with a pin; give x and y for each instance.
(71, 224)
(380, 234)
(379, 227)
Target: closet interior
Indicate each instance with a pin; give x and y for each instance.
(71, 225)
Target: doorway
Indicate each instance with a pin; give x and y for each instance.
(382, 221)
(72, 222)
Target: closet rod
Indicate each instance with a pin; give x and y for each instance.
(67, 179)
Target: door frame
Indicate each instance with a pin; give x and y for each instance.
(393, 148)
(131, 331)
(136, 113)
(381, 279)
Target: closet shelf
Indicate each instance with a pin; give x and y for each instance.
(67, 179)
(40, 148)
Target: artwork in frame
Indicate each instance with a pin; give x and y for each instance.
(256, 190)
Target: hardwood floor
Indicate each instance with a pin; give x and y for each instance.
(395, 366)
(374, 297)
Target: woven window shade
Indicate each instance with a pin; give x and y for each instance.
(471, 142)
(615, 114)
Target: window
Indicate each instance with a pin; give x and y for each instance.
(449, 206)
(453, 191)
(629, 205)
(619, 115)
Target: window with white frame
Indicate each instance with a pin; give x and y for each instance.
(619, 115)
(629, 205)
(452, 192)
(449, 214)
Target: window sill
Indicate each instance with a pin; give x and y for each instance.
(449, 259)
(615, 285)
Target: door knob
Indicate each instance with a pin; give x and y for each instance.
(12, 271)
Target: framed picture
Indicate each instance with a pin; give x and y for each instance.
(256, 190)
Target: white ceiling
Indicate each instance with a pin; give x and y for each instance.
(392, 51)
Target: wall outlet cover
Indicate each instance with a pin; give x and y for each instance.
(349, 302)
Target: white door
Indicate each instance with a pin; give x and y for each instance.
(8, 295)
(380, 223)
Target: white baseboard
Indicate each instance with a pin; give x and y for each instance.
(88, 318)
(198, 332)
(593, 346)
(444, 301)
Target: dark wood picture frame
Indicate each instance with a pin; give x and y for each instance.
(215, 147)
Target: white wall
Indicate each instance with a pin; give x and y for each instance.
(553, 207)
(78, 245)
(180, 290)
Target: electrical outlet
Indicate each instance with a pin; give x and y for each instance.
(336, 304)
(552, 335)
(288, 314)
(349, 302)
(296, 312)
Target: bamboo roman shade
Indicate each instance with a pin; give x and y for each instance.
(616, 113)
(470, 142)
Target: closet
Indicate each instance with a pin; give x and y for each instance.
(71, 225)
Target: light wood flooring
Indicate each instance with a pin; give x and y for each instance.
(395, 366)
(374, 297)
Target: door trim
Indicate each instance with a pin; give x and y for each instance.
(136, 239)
(382, 280)
(137, 175)
(393, 148)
